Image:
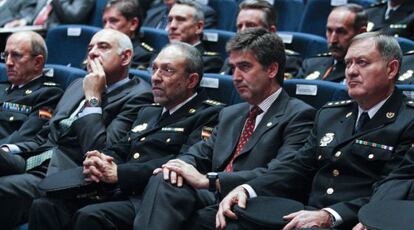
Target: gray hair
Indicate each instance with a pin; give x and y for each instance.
(199, 14)
(264, 6)
(266, 46)
(193, 58)
(387, 46)
(39, 48)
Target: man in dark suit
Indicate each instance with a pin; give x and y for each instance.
(344, 22)
(50, 13)
(352, 145)
(186, 24)
(15, 9)
(28, 98)
(157, 17)
(260, 13)
(126, 16)
(393, 17)
(159, 133)
(94, 111)
(239, 149)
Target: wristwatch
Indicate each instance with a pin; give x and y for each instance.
(93, 102)
(212, 178)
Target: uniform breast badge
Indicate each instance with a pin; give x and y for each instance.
(328, 138)
(140, 128)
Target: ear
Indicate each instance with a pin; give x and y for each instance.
(39, 62)
(272, 70)
(392, 69)
(193, 80)
(134, 23)
(126, 57)
(200, 27)
(363, 29)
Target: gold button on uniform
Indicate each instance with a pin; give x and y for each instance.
(11, 118)
(129, 139)
(319, 157)
(330, 191)
(136, 156)
(371, 156)
(269, 124)
(168, 140)
(338, 154)
(335, 172)
(142, 139)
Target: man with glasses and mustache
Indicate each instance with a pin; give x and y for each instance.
(344, 22)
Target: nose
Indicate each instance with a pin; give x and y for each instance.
(93, 52)
(8, 60)
(332, 37)
(351, 70)
(237, 76)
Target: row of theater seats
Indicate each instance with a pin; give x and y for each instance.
(67, 44)
(220, 87)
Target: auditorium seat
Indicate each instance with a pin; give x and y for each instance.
(154, 37)
(144, 75)
(226, 11)
(405, 44)
(63, 75)
(316, 92)
(289, 13)
(96, 17)
(67, 44)
(307, 45)
(220, 87)
(215, 40)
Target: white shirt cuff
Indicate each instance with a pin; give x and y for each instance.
(338, 219)
(250, 190)
(12, 148)
(90, 110)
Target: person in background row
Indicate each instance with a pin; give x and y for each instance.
(353, 144)
(186, 24)
(260, 13)
(15, 9)
(126, 16)
(50, 13)
(94, 111)
(344, 22)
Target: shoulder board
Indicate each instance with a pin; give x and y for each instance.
(212, 102)
(155, 104)
(410, 103)
(147, 47)
(291, 52)
(411, 52)
(337, 103)
(50, 83)
(383, 2)
(328, 54)
(210, 53)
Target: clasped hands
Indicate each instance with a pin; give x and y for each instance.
(98, 167)
(177, 171)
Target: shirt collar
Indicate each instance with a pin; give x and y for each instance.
(175, 108)
(266, 103)
(372, 111)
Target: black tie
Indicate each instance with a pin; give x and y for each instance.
(363, 119)
(164, 116)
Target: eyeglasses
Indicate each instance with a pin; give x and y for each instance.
(15, 56)
(165, 71)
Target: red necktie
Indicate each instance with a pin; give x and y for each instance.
(245, 136)
(43, 15)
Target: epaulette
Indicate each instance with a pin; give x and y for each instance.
(411, 52)
(147, 47)
(155, 104)
(410, 103)
(376, 4)
(50, 83)
(210, 53)
(291, 52)
(404, 76)
(337, 103)
(212, 102)
(327, 54)
(398, 26)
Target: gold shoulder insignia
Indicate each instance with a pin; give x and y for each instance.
(49, 83)
(324, 54)
(337, 103)
(155, 104)
(291, 52)
(147, 47)
(409, 52)
(210, 53)
(213, 102)
(408, 74)
(410, 103)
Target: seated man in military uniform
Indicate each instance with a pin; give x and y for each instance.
(29, 97)
(160, 132)
(344, 22)
(353, 144)
(393, 17)
(126, 16)
(186, 24)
